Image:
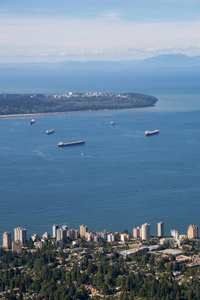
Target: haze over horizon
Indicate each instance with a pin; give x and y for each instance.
(101, 30)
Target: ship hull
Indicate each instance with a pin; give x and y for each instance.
(71, 144)
(49, 131)
(148, 133)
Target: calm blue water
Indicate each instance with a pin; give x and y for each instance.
(122, 180)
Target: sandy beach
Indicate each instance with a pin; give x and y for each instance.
(21, 116)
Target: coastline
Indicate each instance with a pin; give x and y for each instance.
(21, 116)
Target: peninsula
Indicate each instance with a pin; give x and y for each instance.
(14, 104)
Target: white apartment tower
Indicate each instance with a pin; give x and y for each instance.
(111, 237)
(20, 235)
(55, 227)
(146, 231)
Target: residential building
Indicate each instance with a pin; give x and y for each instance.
(39, 244)
(183, 236)
(7, 242)
(17, 246)
(160, 229)
(20, 235)
(72, 234)
(46, 236)
(146, 231)
(111, 237)
(61, 234)
(55, 227)
(137, 232)
(124, 237)
(171, 241)
(65, 227)
(35, 237)
(97, 239)
(104, 234)
(89, 236)
(83, 230)
(175, 233)
(192, 231)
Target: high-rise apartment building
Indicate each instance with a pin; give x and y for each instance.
(55, 227)
(137, 232)
(83, 230)
(192, 231)
(7, 242)
(111, 237)
(61, 234)
(146, 231)
(20, 235)
(72, 234)
(160, 229)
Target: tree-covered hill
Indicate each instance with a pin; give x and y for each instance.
(40, 103)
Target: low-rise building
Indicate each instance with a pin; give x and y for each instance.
(124, 237)
(39, 244)
(46, 236)
(175, 233)
(89, 236)
(35, 237)
(17, 246)
(97, 239)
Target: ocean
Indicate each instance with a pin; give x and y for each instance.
(119, 179)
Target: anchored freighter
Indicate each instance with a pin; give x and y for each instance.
(61, 144)
(147, 133)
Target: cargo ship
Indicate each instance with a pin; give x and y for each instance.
(61, 144)
(32, 122)
(49, 131)
(147, 133)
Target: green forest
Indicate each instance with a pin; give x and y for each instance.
(50, 273)
(40, 103)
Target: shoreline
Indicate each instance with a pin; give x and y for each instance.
(21, 116)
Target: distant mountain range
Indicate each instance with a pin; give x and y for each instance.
(161, 61)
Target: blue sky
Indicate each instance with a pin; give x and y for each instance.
(49, 30)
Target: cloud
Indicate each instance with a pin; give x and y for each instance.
(101, 37)
(112, 16)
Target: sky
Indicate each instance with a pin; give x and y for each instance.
(82, 30)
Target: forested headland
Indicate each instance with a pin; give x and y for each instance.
(12, 104)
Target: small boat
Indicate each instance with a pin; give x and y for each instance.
(112, 123)
(32, 122)
(147, 133)
(50, 131)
